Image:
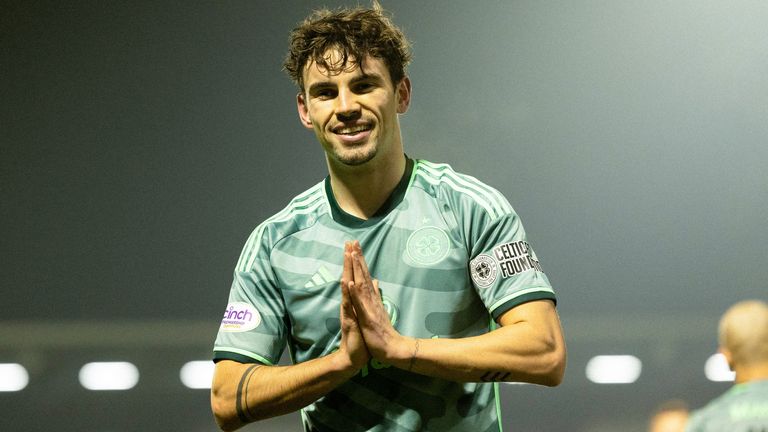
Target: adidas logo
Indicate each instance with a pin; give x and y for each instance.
(321, 277)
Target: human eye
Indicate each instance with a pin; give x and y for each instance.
(365, 86)
(323, 93)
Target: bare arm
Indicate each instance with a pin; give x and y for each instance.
(243, 393)
(528, 347)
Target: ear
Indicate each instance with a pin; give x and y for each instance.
(728, 356)
(403, 92)
(301, 106)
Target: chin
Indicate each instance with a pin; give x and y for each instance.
(356, 157)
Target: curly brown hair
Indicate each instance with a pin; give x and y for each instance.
(356, 33)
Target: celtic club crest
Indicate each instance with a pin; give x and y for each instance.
(428, 245)
(483, 270)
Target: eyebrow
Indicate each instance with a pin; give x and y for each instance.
(364, 77)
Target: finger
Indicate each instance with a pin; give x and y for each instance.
(359, 293)
(347, 311)
(376, 291)
(358, 304)
(346, 272)
(362, 259)
(360, 267)
(358, 274)
(344, 296)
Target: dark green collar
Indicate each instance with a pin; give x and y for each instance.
(394, 199)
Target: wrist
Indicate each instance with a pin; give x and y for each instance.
(405, 352)
(342, 364)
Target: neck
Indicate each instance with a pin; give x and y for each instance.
(753, 372)
(361, 190)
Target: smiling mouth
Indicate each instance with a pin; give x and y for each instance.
(352, 130)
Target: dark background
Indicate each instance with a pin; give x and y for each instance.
(141, 142)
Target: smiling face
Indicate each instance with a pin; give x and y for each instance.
(353, 111)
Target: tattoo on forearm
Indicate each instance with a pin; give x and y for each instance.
(413, 357)
(494, 376)
(241, 401)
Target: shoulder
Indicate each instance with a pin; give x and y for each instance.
(459, 190)
(695, 422)
(710, 415)
(302, 212)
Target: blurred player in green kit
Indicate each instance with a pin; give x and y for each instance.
(744, 343)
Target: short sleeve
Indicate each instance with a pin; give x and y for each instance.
(504, 269)
(253, 327)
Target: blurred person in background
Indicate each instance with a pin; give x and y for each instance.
(670, 416)
(743, 338)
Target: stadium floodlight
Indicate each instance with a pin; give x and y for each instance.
(13, 377)
(197, 374)
(109, 376)
(614, 369)
(716, 369)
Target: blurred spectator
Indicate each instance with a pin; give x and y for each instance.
(743, 341)
(669, 417)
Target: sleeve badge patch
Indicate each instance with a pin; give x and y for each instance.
(240, 317)
(483, 270)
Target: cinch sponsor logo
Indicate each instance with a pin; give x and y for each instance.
(239, 317)
(515, 257)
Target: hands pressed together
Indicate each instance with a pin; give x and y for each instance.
(536, 356)
(366, 330)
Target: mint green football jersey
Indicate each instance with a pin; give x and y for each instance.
(743, 408)
(450, 254)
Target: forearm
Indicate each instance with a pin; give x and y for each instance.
(243, 393)
(528, 347)
(489, 357)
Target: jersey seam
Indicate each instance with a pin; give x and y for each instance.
(419, 170)
(520, 293)
(245, 353)
(442, 216)
(442, 183)
(314, 198)
(444, 172)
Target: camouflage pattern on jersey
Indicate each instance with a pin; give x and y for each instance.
(450, 254)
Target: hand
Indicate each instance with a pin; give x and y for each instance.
(352, 343)
(383, 341)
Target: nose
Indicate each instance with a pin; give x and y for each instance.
(347, 106)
